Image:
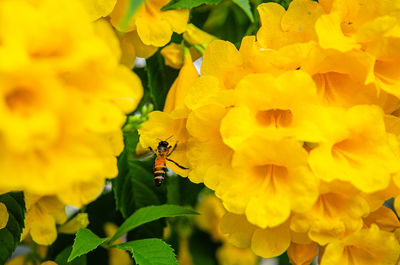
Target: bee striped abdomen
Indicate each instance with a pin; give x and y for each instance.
(159, 170)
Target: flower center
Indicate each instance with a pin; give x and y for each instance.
(272, 175)
(20, 100)
(348, 150)
(274, 117)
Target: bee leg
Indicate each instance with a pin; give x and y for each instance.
(176, 144)
(176, 164)
(151, 149)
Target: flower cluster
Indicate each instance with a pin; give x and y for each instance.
(297, 132)
(63, 101)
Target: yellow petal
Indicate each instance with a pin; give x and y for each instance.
(302, 254)
(3, 215)
(368, 247)
(239, 230)
(194, 35)
(229, 255)
(271, 242)
(179, 89)
(173, 55)
(81, 220)
(177, 19)
(42, 226)
(98, 8)
(54, 207)
(385, 218)
(49, 262)
(81, 193)
(330, 34)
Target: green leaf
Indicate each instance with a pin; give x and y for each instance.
(245, 5)
(62, 257)
(133, 6)
(11, 234)
(85, 241)
(134, 187)
(148, 214)
(182, 4)
(159, 79)
(151, 251)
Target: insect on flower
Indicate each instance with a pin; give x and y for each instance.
(162, 152)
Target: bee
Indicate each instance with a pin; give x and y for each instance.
(162, 153)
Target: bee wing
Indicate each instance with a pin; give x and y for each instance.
(141, 156)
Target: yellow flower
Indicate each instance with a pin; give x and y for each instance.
(3, 215)
(173, 55)
(184, 257)
(211, 211)
(42, 215)
(338, 212)
(231, 255)
(116, 256)
(266, 185)
(209, 158)
(172, 122)
(153, 26)
(370, 26)
(62, 107)
(194, 35)
(360, 151)
(267, 243)
(280, 27)
(302, 254)
(369, 246)
(132, 47)
(274, 107)
(385, 218)
(179, 89)
(81, 220)
(98, 8)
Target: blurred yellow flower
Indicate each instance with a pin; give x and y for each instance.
(228, 254)
(81, 220)
(3, 215)
(62, 107)
(116, 256)
(42, 216)
(211, 212)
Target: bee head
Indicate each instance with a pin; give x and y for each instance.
(163, 144)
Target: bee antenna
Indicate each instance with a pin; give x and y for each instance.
(168, 138)
(159, 139)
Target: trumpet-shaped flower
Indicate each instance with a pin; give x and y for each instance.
(338, 212)
(43, 213)
(368, 246)
(266, 185)
(274, 107)
(360, 152)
